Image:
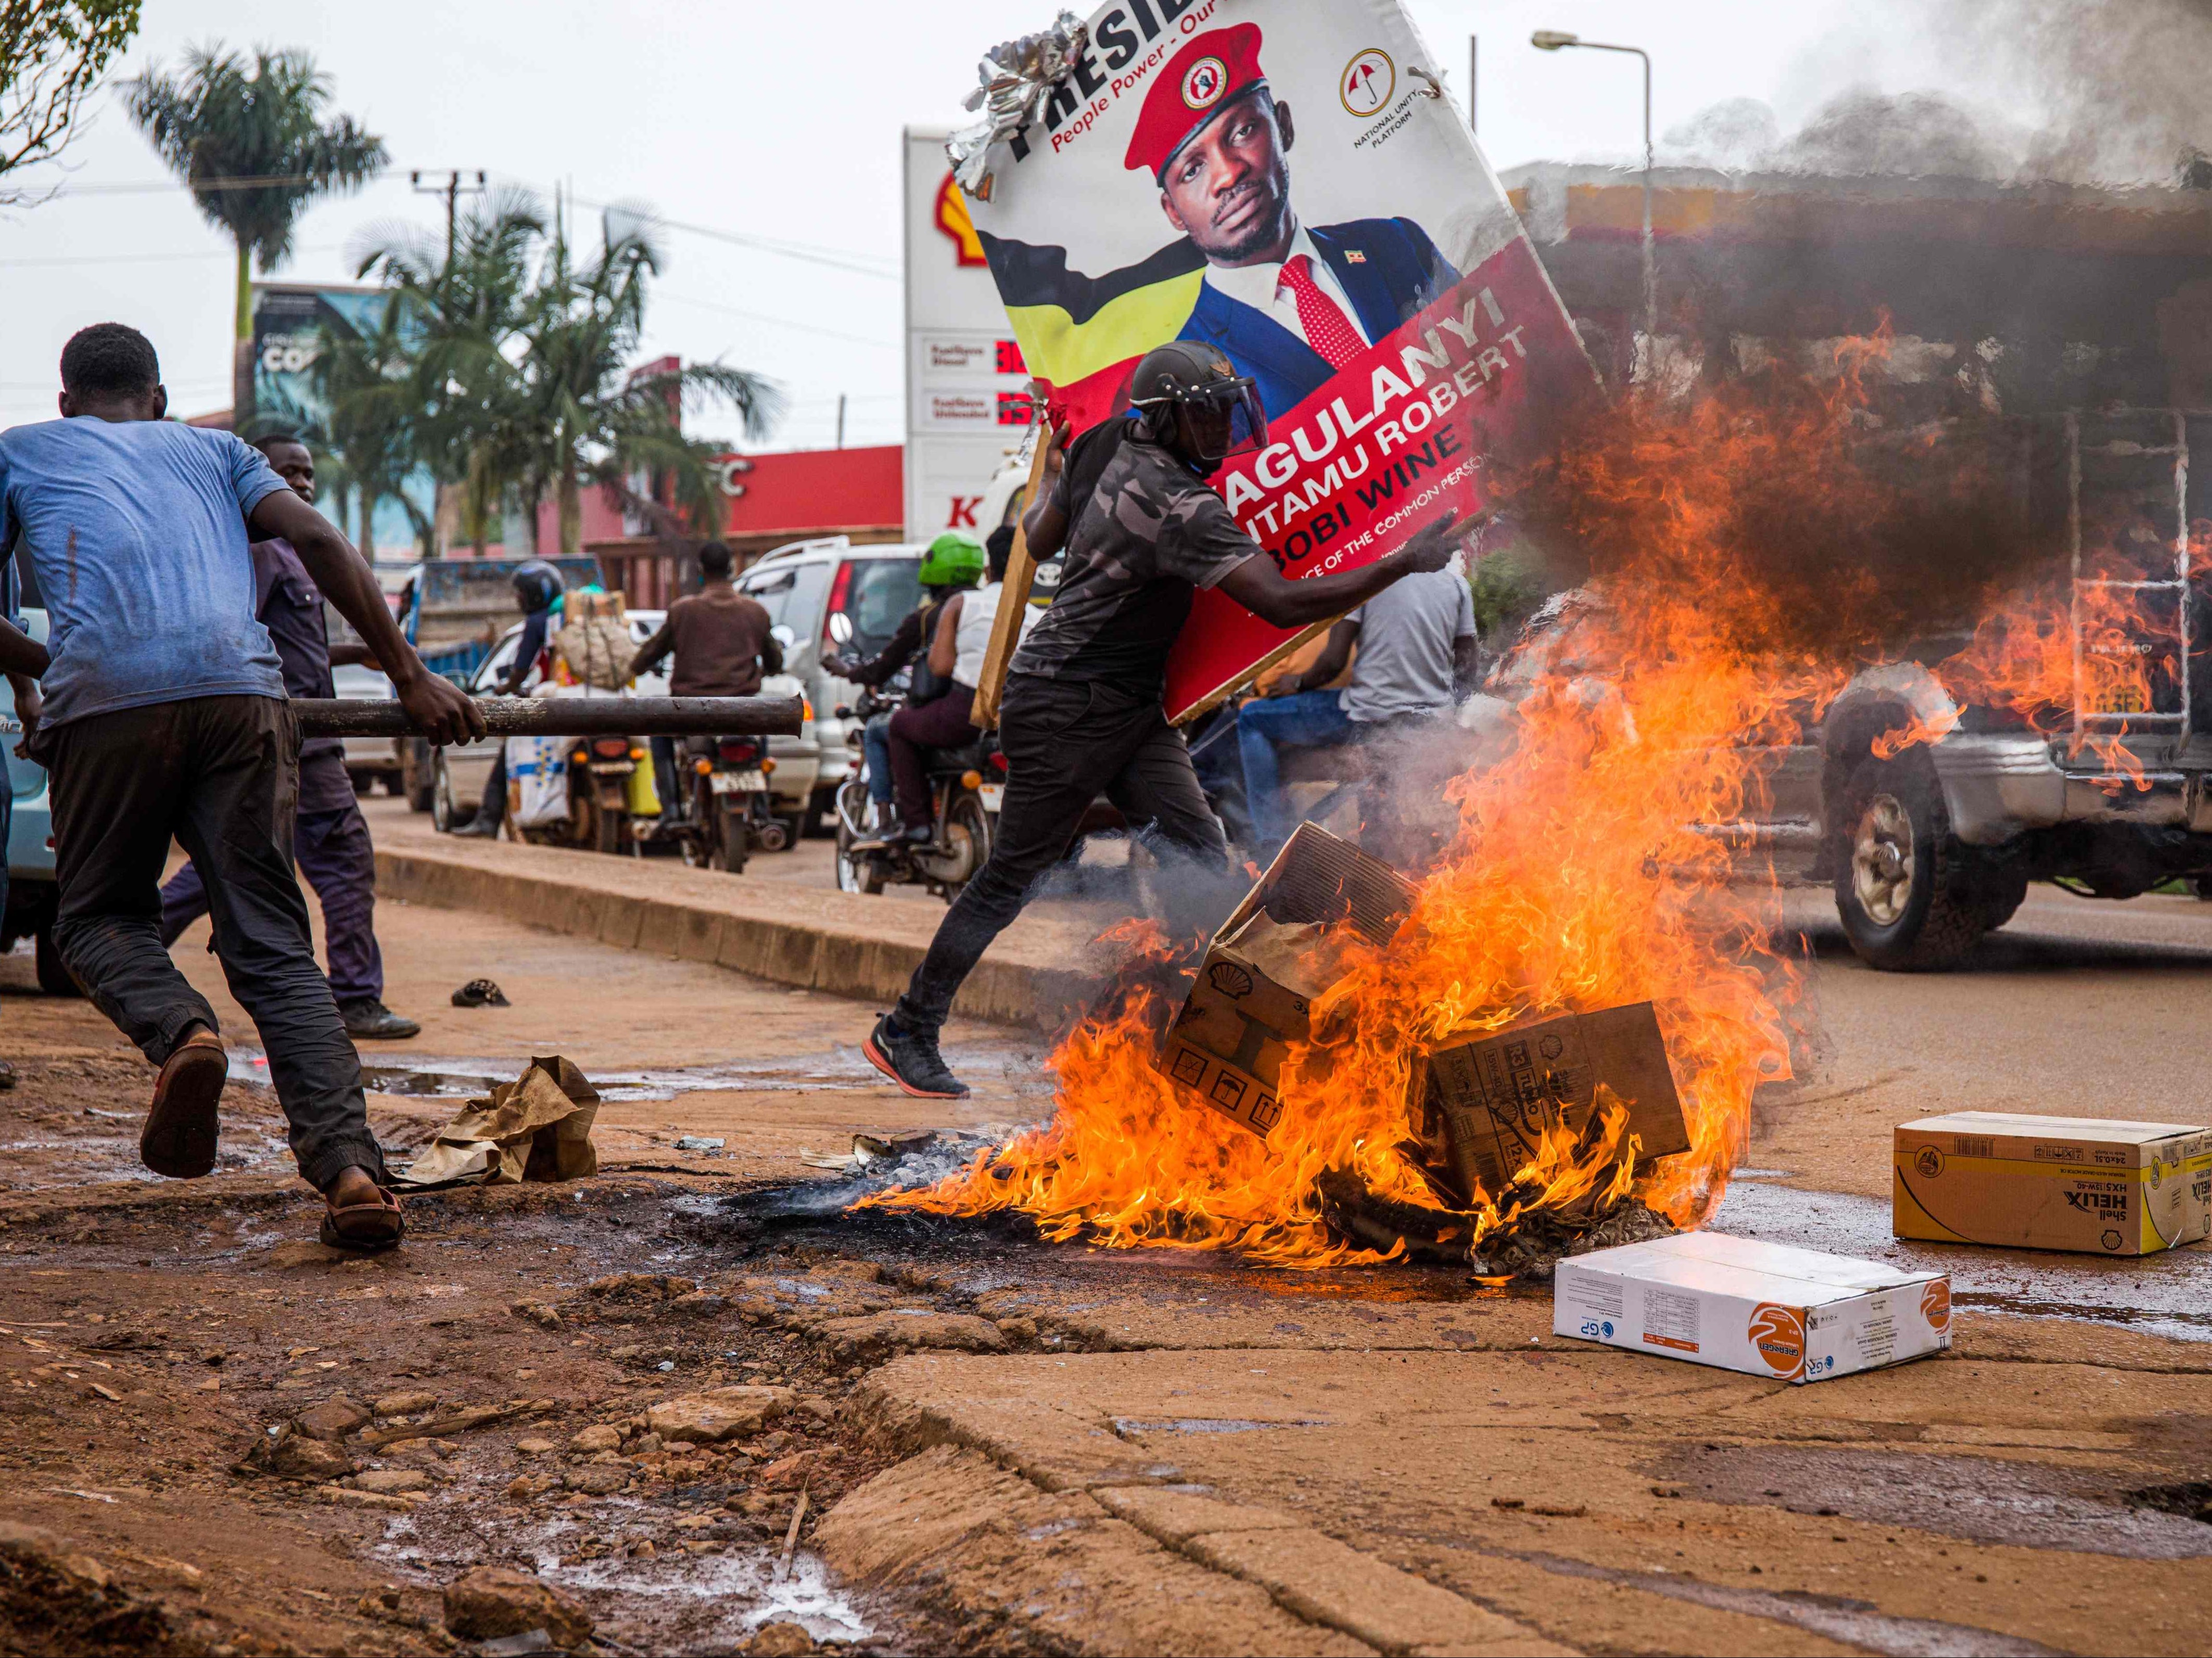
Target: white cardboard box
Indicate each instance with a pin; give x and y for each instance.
(1763, 1309)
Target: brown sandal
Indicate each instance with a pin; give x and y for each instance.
(181, 1128)
(366, 1227)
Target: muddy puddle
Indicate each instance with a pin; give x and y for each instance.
(2163, 1294)
(840, 1069)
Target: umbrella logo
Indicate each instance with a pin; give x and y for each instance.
(1368, 82)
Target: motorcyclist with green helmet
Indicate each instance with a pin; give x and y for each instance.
(953, 564)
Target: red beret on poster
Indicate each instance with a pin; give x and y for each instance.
(1211, 70)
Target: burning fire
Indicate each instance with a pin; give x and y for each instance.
(1578, 880)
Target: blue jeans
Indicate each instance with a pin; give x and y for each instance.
(1305, 719)
(876, 744)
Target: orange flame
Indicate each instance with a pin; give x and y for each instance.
(1583, 873)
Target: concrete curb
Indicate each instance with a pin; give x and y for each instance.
(1004, 990)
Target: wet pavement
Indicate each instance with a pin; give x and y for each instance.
(2168, 1294)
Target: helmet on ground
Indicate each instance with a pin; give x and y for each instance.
(954, 559)
(1192, 400)
(537, 585)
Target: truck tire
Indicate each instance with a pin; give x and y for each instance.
(418, 778)
(54, 978)
(1912, 896)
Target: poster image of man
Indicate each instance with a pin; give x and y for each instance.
(1290, 304)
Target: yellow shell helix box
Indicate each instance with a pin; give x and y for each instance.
(2021, 1181)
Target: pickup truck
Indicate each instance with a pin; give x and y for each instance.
(1929, 845)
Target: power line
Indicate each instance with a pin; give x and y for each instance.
(862, 264)
(778, 322)
(149, 259)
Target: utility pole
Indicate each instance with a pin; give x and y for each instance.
(841, 420)
(453, 189)
(1473, 70)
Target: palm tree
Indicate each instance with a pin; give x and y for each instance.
(467, 300)
(584, 418)
(367, 383)
(247, 136)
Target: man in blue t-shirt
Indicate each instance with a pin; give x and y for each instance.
(165, 716)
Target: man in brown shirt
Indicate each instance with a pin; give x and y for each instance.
(721, 638)
(722, 645)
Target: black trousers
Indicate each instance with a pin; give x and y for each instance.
(1065, 743)
(219, 775)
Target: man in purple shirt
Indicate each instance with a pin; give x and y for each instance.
(329, 837)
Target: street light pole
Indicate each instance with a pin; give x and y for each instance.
(1559, 41)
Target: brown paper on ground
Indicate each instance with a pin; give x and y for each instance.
(537, 1127)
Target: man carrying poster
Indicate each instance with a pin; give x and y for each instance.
(1291, 306)
(1081, 716)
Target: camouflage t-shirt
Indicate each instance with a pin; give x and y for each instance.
(1151, 533)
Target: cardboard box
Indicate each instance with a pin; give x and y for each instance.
(1763, 1309)
(2030, 1182)
(1491, 1101)
(1275, 954)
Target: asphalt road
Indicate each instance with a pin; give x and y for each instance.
(1091, 1451)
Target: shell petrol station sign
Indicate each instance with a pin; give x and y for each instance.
(967, 387)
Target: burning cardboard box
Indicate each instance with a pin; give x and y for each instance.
(2030, 1182)
(1489, 1102)
(1279, 950)
(1482, 1105)
(1764, 1308)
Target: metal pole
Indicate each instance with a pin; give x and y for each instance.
(1473, 70)
(1650, 266)
(841, 420)
(570, 716)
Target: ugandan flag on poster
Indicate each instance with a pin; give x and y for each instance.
(1082, 336)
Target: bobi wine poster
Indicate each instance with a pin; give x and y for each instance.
(1284, 179)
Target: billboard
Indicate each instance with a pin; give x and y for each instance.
(289, 320)
(967, 387)
(1286, 183)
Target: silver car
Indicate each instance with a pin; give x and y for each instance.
(825, 597)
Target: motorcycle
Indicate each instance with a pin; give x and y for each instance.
(966, 786)
(732, 810)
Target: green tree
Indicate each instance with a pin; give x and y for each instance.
(467, 303)
(522, 377)
(52, 53)
(247, 136)
(369, 383)
(583, 418)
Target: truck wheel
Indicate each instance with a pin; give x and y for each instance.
(2002, 896)
(418, 778)
(53, 978)
(1908, 891)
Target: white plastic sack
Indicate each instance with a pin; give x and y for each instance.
(537, 782)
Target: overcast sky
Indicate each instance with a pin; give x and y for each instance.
(765, 119)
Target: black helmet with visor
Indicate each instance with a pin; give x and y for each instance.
(1192, 400)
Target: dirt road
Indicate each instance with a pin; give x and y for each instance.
(1008, 1446)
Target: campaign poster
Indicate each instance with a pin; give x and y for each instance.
(966, 388)
(1284, 180)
